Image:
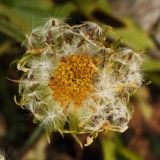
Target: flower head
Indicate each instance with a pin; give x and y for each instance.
(75, 82)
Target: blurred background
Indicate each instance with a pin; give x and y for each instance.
(138, 21)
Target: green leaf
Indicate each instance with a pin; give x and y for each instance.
(36, 133)
(128, 154)
(14, 18)
(109, 148)
(11, 30)
(104, 5)
(132, 35)
(85, 6)
(36, 16)
(5, 46)
(113, 145)
(99, 11)
(62, 10)
(145, 108)
(151, 65)
(30, 4)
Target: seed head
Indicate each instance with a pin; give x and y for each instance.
(75, 82)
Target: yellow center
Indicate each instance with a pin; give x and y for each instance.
(72, 79)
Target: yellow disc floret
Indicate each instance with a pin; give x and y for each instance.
(72, 79)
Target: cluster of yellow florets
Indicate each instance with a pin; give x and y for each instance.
(72, 79)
